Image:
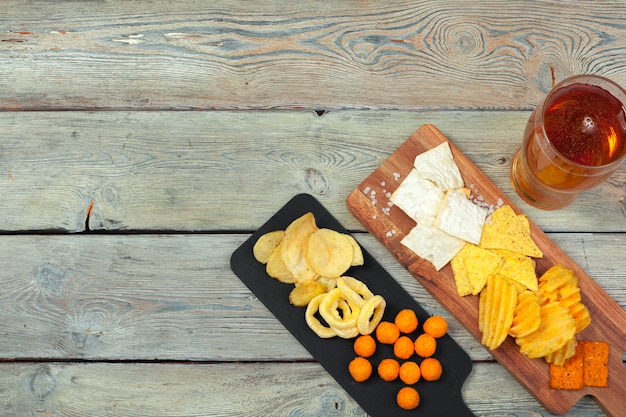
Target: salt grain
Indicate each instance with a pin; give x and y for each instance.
(396, 176)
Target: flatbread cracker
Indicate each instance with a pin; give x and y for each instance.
(430, 243)
(461, 218)
(437, 165)
(419, 198)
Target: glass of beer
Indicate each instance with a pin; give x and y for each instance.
(574, 139)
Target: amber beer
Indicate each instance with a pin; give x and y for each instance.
(573, 141)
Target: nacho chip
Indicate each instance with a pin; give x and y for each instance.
(460, 218)
(432, 244)
(504, 230)
(419, 198)
(471, 267)
(518, 269)
(437, 165)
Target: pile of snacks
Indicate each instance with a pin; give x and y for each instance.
(413, 359)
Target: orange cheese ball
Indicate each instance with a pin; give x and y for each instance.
(436, 326)
(387, 332)
(410, 372)
(388, 369)
(404, 347)
(360, 369)
(365, 346)
(425, 345)
(408, 398)
(431, 369)
(406, 320)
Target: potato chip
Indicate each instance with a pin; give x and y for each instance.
(471, 267)
(303, 293)
(553, 279)
(329, 253)
(266, 244)
(276, 268)
(294, 247)
(560, 284)
(432, 244)
(561, 355)
(460, 218)
(419, 198)
(556, 329)
(527, 316)
(437, 165)
(581, 316)
(499, 303)
(357, 255)
(504, 230)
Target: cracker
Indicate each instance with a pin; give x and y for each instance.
(419, 198)
(460, 218)
(569, 376)
(595, 363)
(437, 165)
(430, 243)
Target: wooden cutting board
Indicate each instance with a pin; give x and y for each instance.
(369, 203)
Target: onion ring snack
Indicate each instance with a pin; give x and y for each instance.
(315, 325)
(354, 290)
(371, 314)
(330, 306)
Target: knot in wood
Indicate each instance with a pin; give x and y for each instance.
(316, 181)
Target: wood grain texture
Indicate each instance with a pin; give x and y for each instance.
(173, 297)
(367, 203)
(301, 54)
(225, 390)
(201, 171)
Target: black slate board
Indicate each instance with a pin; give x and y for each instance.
(377, 397)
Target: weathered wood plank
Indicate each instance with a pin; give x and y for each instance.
(200, 171)
(173, 297)
(276, 389)
(301, 54)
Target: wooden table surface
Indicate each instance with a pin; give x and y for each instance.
(141, 142)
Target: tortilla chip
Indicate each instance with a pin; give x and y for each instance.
(504, 230)
(472, 266)
(519, 269)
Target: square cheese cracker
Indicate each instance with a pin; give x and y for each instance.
(432, 244)
(461, 218)
(437, 165)
(418, 198)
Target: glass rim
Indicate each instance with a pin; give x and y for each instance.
(584, 79)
